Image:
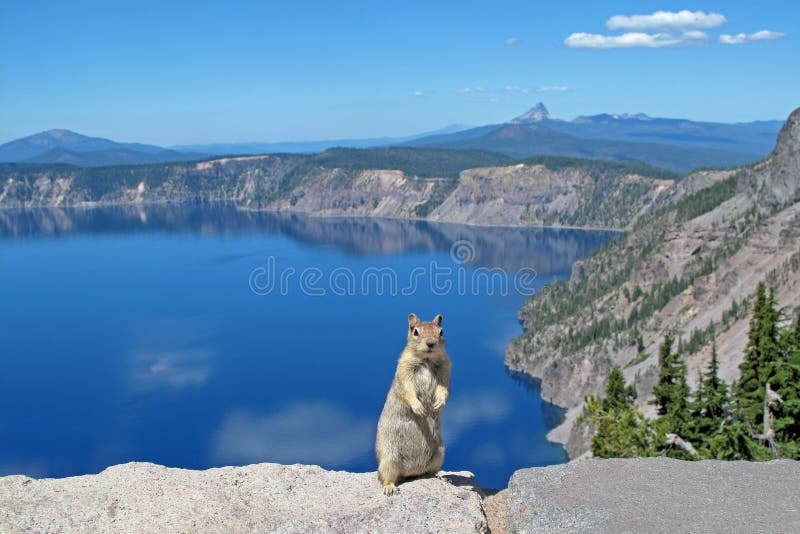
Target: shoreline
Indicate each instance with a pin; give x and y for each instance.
(310, 215)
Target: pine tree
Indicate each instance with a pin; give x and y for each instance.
(785, 381)
(627, 434)
(761, 355)
(734, 442)
(672, 391)
(718, 423)
(662, 392)
(710, 403)
(680, 411)
(618, 396)
(621, 430)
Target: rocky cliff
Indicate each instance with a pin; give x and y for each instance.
(534, 194)
(640, 495)
(689, 267)
(547, 191)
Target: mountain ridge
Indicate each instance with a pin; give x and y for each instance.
(537, 138)
(677, 144)
(65, 146)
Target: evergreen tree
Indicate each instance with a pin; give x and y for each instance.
(734, 442)
(672, 392)
(785, 381)
(711, 398)
(627, 434)
(618, 396)
(718, 423)
(621, 429)
(760, 355)
(662, 392)
(711, 412)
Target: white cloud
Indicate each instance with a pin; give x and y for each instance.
(740, 38)
(513, 89)
(309, 432)
(172, 352)
(695, 35)
(664, 29)
(626, 40)
(539, 89)
(512, 41)
(480, 407)
(472, 90)
(172, 368)
(419, 93)
(667, 20)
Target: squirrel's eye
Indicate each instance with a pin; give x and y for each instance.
(416, 333)
(441, 333)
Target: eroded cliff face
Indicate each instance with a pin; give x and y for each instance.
(678, 272)
(225, 179)
(536, 195)
(340, 193)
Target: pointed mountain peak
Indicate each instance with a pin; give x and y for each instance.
(535, 114)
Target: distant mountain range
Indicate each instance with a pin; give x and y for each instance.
(310, 147)
(64, 146)
(674, 144)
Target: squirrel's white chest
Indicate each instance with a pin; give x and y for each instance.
(425, 381)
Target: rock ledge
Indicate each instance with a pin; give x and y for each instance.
(144, 497)
(634, 495)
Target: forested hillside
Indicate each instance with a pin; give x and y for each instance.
(757, 417)
(688, 268)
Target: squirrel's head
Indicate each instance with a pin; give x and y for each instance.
(425, 337)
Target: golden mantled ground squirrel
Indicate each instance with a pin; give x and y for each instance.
(409, 440)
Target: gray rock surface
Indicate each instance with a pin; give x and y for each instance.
(656, 495)
(143, 497)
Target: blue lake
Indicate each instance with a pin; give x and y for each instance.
(153, 334)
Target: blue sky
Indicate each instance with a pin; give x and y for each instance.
(191, 72)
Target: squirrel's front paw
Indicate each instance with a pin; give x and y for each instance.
(440, 399)
(418, 408)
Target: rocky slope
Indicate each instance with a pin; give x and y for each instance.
(692, 262)
(538, 195)
(587, 496)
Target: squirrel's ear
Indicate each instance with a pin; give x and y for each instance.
(413, 320)
(438, 320)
